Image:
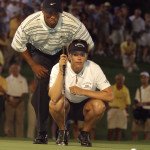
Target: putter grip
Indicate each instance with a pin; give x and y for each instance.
(64, 70)
(64, 52)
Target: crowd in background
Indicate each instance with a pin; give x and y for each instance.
(109, 27)
(115, 31)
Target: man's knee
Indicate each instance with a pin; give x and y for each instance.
(98, 108)
(58, 106)
(53, 106)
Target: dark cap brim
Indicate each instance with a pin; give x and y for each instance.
(51, 10)
(75, 49)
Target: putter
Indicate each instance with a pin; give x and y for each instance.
(64, 71)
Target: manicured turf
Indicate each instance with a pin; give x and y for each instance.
(24, 144)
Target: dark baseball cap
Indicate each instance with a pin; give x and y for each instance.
(78, 45)
(50, 6)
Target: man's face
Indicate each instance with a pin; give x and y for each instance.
(120, 80)
(51, 20)
(77, 60)
(144, 79)
(15, 70)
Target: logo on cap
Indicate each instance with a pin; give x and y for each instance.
(79, 45)
(52, 4)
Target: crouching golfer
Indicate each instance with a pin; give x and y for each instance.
(78, 90)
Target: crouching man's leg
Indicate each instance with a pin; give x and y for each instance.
(57, 112)
(92, 111)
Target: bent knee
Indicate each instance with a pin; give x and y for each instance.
(54, 106)
(99, 108)
(59, 106)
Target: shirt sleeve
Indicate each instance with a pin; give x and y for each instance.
(19, 40)
(82, 33)
(101, 80)
(4, 84)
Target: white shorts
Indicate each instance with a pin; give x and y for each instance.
(117, 118)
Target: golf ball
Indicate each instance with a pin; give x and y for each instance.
(133, 149)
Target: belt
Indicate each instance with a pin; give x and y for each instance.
(32, 49)
(47, 55)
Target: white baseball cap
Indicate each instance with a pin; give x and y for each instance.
(144, 73)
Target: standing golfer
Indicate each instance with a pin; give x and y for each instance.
(82, 100)
(39, 39)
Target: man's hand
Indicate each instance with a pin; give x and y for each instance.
(39, 70)
(62, 62)
(75, 90)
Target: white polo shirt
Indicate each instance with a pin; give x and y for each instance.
(145, 95)
(16, 86)
(90, 78)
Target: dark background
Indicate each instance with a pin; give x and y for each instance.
(144, 5)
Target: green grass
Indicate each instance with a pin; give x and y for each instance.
(25, 144)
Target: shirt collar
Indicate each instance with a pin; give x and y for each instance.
(58, 26)
(12, 77)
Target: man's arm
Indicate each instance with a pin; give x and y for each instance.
(55, 92)
(26, 55)
(39, 70)
(2, 90)
(104, 95)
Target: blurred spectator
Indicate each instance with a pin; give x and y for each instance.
(118, 109)
(1, 58)
(126, 21)
(92, 17)
(31, 113)
(143, 41)
(3, 48)
(144, 47)
(138, 24)
(27, 8)
(142, 98)
(11, 56)
(117, 36)
(14, 23)
(12, 8)
(3, 22)
(103, 30)
(3, 88)
(14, 106)
(128, 50)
